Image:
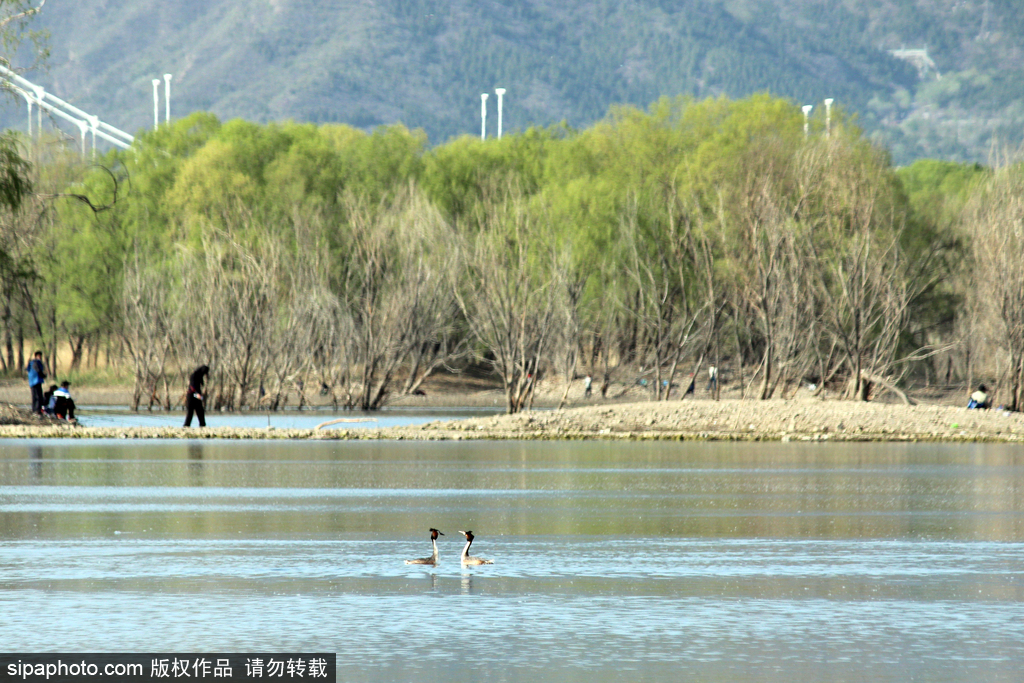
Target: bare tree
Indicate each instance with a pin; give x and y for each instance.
(146, 329)
(856, 265)
(510, 289)
(671, 278)
(396, 287)
(763, 262)
(994, 222)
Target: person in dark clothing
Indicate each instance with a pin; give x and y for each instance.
(63, 404)
(194, 396)
(36, 374)
(48, 400)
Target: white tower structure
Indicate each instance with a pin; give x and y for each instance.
(807, 117)
(156, 102)
(483, 116)
(501, 93)
(167, 96)
(828, 116)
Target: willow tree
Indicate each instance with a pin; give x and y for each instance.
(16, 270)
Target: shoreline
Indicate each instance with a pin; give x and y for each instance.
(809, 420)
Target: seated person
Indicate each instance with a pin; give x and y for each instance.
(63, 404)
(48, 400)
(979, 399)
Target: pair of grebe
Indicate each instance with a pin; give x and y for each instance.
(466, 557)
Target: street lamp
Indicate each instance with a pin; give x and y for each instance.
(807, 115)
(94, 122)
(40, 94)
(167, 95)
(156, 103)
(483, 116)
(828, 116)
(501, 93)
(82, 126)
(28, 101)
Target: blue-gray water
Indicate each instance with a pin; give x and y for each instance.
(612, 562)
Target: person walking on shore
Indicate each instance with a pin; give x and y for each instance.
(36, 374)
(194, 396)
(712, 378)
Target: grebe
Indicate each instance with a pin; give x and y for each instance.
(466, 557)
(432, 560)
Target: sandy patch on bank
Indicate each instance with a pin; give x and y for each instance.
(751, 420)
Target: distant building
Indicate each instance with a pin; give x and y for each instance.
(920, 59)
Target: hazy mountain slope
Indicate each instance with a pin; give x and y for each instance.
(425, 62)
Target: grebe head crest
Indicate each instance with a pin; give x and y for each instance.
(434, 534)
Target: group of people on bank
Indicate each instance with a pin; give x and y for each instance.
(56, 401)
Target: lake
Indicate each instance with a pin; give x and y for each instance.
(612, 561)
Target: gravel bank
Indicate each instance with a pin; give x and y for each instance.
(730, 420)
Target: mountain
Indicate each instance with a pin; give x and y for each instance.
(424, 63)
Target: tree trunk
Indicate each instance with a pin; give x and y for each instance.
(76, 344)
(880, 381)
(764, 393)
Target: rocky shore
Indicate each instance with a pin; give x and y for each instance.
(726, 420)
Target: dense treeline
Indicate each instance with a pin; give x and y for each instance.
(294, 258)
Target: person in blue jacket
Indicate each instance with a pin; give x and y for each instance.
(36, 374)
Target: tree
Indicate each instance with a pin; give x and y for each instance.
(858, 268)
(396, 287)
(509, 292)
(671, 292)
(994, 222)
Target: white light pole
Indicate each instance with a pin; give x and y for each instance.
(807, 115)
(28, 101)
(483, 116)
(40, 93)
(501, 93)
(82, 126)
(94, 122)
(167, 95)
(828, 116)
(156, 103)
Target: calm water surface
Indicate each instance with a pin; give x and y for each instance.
(613, 562)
